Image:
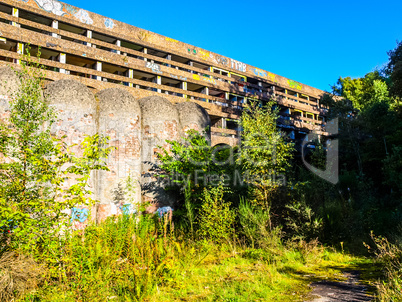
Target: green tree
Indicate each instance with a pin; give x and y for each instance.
(34, 166)
(394, 70)
(265, 154)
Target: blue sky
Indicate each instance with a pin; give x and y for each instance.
(312, 42)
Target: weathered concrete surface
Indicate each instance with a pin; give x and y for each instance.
(76, 110)
(120, 120)
(9, 81)
(193, 116)
(8, 88)
(136, 128)
(160, 122)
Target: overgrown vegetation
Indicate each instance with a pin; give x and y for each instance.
(250, 223)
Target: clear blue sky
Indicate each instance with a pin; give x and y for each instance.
(313, 42)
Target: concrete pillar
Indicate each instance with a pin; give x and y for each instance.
(20, 51)
(118, 43)
(131, 76)
(169, 57)
(89, 35)
(15, 13)
(98, 67)
(184, 87)
(55, 25)
(159, 82)
(224, 123)
(145, 52)
(63, 60)
(191, 63)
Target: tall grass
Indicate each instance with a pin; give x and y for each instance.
(123, 259)
(139, 258)
(390, 257)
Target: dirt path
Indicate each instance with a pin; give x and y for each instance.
(350, 290)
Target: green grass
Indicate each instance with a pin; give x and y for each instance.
(144, 261)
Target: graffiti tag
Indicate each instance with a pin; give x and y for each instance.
(238, 65)
(153, 66)
(295, 85)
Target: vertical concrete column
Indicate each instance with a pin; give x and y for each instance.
(55, 25)
(206, 91)
(191, 63)
(131, 76)
(227, 96)
(89, 35)
(169, 57)
(20, 51)
(118, 43)
(159, 82)
(145, 52)
(98, 67)
(15, 13)
(224, 123)
(63, 60)
(184, 87)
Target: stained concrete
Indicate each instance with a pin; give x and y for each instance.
(9, 81)
(160, 122)
(120, 120)
(193, 116)
(137, 128)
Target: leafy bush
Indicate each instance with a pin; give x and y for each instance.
(216, 219)
(301, 221)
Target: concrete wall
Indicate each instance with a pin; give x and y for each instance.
(137, 128)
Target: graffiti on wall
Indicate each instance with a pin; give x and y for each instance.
(51, 6)
(220, 60)
(143, 36)
(192, 51)
(204, 55)
(260, 73)
(128, 209)
(171, 40)
(238, 65)
(271, 77)
(79, 217)
(60, 9)
(204, 78)
(109, 23)
(84, 17)
(70, 9)
(295, 85)
(153, 66)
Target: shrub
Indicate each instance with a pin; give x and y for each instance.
(216, 219)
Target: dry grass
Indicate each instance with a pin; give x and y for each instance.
(19, 274)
